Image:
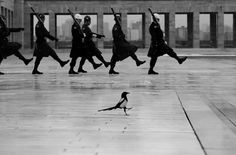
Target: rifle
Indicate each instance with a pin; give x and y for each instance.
(36, 14)
(154, 19)
(76, 22)
(99, 35)
(117, 21)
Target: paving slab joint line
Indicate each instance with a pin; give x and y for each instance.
(195, 133)
(224, 114)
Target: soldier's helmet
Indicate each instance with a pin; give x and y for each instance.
(157, 16)
(118, 16)
(87, 19)
(78, 16)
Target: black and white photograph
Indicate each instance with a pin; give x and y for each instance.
(117, 77)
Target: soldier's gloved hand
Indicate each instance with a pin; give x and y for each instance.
(22, 29)
(56, 40)
(99, 36)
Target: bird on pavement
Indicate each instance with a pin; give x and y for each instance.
(121, 104)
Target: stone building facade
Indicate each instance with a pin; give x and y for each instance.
(192, 11)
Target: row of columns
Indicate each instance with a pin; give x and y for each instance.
(216, 20)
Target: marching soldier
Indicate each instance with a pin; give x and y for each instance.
(158, 45)
(122, 49)
(42, 49)
(9, 48)
(90, 47)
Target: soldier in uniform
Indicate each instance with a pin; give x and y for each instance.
(122, 49)
(78, 49)
(158, 45)
(9, 48)
(42, 49)
(90, 47)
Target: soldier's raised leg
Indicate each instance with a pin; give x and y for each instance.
(99, 56)
(138, 62)
(55, 56)
(172, 54)
(21, 57)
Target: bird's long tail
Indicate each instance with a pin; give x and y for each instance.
(111, 108)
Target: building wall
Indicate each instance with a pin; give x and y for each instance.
(170, 7)
(6, 9)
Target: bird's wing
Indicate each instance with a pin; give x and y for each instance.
(111, 108)
(120, 102)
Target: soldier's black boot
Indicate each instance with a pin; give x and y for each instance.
(36, 64)
(72, 65)
(113, 63)
(27, 61)
(95, 65)
(82, 61)
(182, 59)
(36, 72)
(20, 56)
(152, 65)
(138, 62)
(63, 63)
(1, 73)
(106, 64)
(71, 71)
(151, 71)
(111, 71)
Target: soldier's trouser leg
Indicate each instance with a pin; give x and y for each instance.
(0, 64)
(114, 59)
(82, 61)
(20, 56)
(55, 57)
(1, 58)
(37, 62)
(72, 63)
(138, 62)
(153, 62)
(99, 56)
(95, 66)
(171, 52)
(134, 57)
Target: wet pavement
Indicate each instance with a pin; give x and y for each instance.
(186, 109)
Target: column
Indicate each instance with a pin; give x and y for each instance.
(220, 30)
(52, 27)
(190, 29)
(124, 21)
(196, 30)
(148, 22)
(234, 30)
(172, 29)
(167, 28)
(213, 29)
(100, 29)
(18, 21)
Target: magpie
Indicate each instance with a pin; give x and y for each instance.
(121, 104)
